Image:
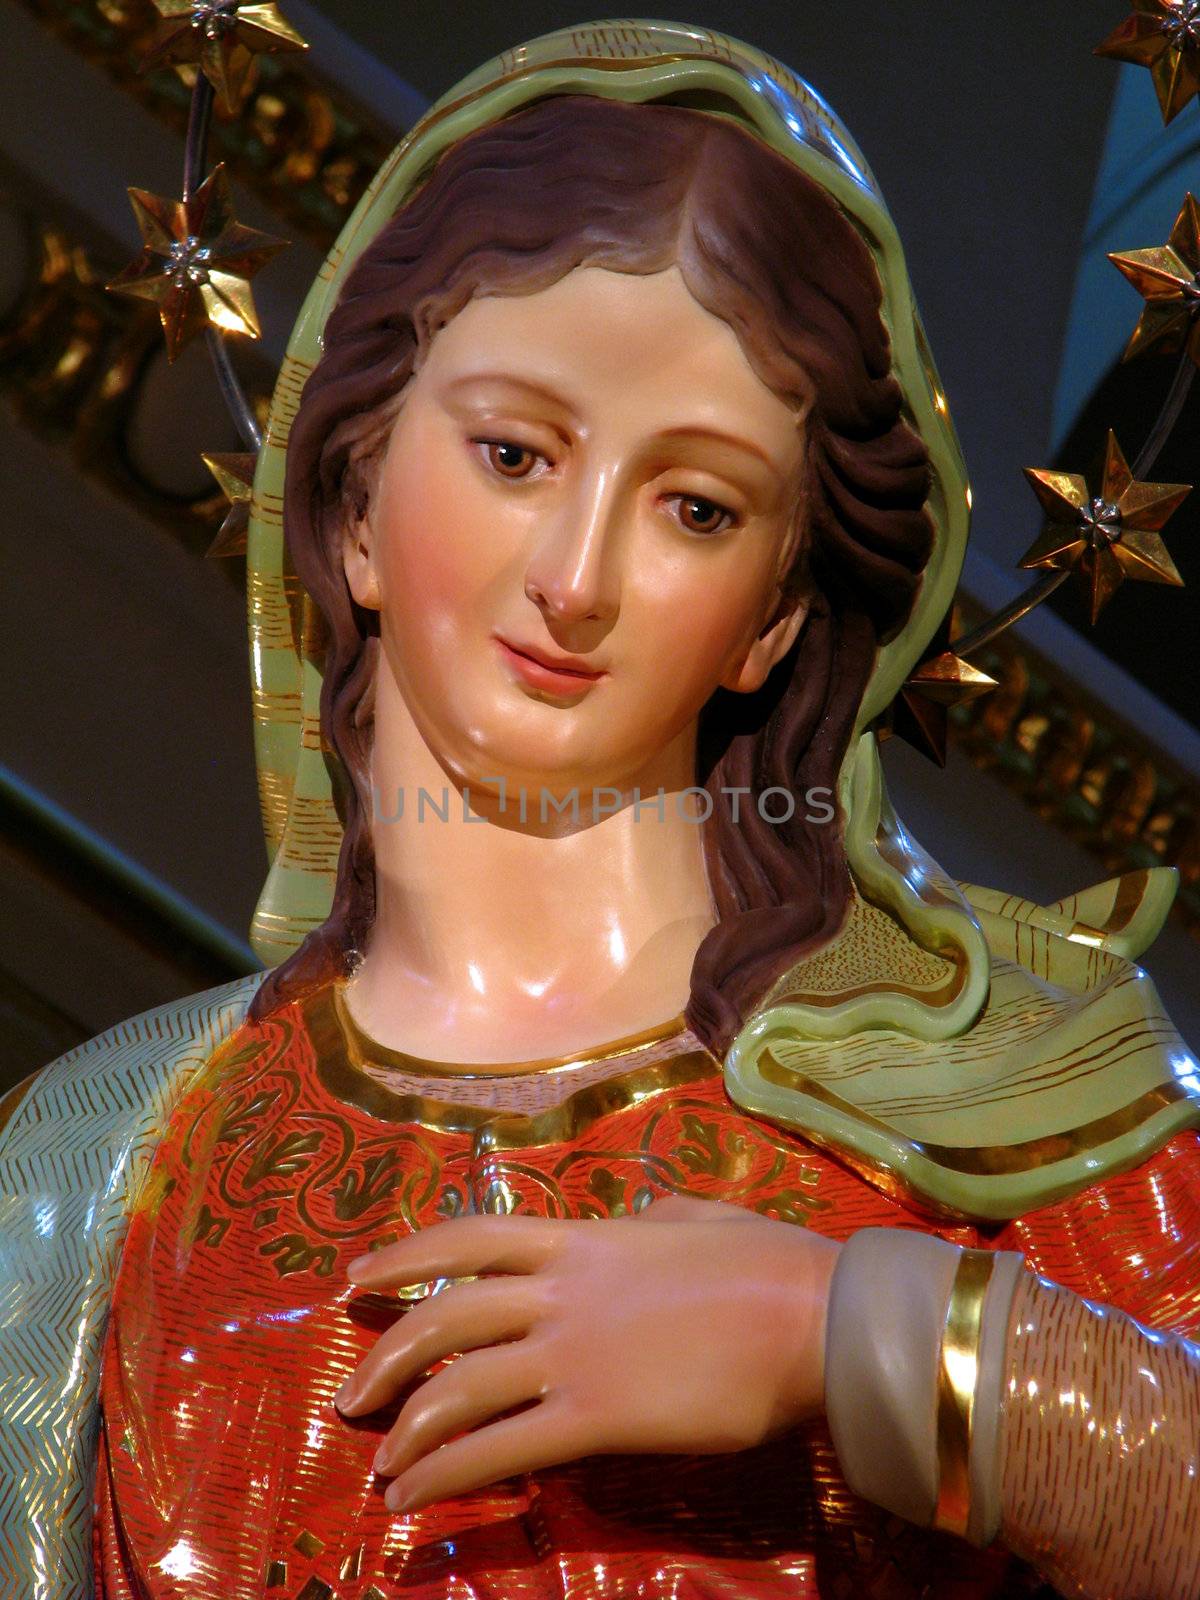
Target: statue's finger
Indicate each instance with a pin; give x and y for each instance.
(543, 1436)
(463, 1248)
(474, 1389)
(464, 1317)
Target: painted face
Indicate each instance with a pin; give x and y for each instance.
(578, 532)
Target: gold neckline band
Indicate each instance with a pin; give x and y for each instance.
(365, 1051)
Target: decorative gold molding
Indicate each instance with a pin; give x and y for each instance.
(1083, 770)
(301, 144)
(73, 359)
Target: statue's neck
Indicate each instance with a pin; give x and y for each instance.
(514, 933)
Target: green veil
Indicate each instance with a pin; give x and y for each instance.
(915, 968)
(977, 1054)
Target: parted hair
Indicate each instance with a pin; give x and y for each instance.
(511, 209)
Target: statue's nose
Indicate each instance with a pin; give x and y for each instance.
(573, 573)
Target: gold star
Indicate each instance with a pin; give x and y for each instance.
(224, 38)
(1163, 35)
(920, 712)
(1106, 537)
(1168, 279)
(196, 263)
(235, 479)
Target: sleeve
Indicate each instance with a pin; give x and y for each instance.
(75, 1142)
(1132, 1241)
(1100, 1401)
(1058, 1408)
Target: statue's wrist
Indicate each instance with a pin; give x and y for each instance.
(916, 1335)
(812, 1312)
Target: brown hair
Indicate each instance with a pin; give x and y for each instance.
(512, 209)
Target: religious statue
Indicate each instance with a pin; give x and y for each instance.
(641, 1171)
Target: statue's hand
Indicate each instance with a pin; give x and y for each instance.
(694, 1327)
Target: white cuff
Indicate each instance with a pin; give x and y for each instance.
(890, 1372)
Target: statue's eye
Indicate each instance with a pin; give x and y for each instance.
(699, 515)
(509, 460)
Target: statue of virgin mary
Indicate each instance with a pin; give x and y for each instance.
(640, 1169)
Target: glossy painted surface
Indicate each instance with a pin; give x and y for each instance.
(620, 399)
(1100, 1413)
(639, 62)
(1072, 1071)
(225, 1463)
(75, 1145)
(233, 1326)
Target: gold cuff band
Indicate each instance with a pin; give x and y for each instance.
(958, 1374)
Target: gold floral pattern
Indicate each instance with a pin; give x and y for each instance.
(274, 1174)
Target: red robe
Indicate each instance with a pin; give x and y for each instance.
(225, 1472)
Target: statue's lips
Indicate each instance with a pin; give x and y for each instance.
(559, 677)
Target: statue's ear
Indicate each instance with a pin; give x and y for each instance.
(774, 641)
(358, 560)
